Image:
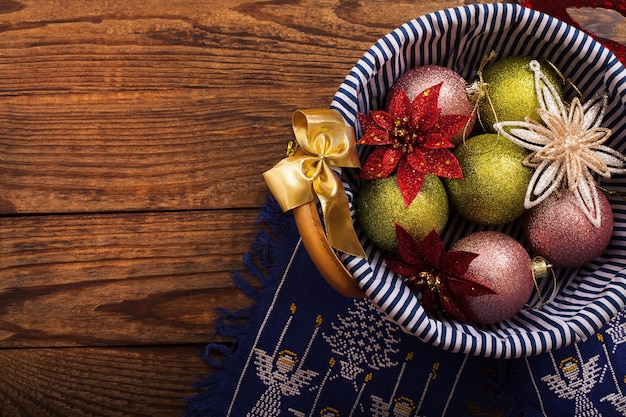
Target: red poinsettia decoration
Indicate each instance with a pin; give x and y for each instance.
(413, 137)
(437, 274)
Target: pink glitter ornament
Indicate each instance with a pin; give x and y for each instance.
(452, 96)
(558, 230)
(503, 265)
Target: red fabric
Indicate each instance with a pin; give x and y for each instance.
(558, 9)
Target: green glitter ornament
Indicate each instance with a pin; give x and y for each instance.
(495, 180)
(510, 93)
(379, 205)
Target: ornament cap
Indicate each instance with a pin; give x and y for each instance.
(541, 270)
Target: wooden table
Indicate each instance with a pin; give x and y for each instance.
(133, 135)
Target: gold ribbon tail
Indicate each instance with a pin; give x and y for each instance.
(338, 224)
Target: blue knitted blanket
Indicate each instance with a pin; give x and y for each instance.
(305, 350)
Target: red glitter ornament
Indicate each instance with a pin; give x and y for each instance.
(437, 274)
(413, 137)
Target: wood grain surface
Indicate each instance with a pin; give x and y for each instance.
(133, 135)
(119, 279)
(124, 381)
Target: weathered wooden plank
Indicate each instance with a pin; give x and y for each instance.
(119, 279)
(143, 381)
(165, 105)
(141, 151)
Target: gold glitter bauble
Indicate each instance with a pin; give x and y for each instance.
(494, 180)
(379, 205)
(511, 90)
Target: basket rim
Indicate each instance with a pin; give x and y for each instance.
(530, 332)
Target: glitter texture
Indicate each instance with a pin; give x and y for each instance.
(411, 138)
(511, 90)
(452, 97)
(495, 180)
(558, 230)
(503, 265)
(379, 205)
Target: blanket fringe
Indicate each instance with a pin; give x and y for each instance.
(232, 327)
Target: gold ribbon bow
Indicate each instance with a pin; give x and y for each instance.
(324, 141)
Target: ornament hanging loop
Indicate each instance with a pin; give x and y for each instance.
(612, 193)
(479, 90)
(542, 270)
(564, 78)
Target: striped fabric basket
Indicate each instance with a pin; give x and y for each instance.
(458, 38)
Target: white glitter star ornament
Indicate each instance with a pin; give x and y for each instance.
(567, 149)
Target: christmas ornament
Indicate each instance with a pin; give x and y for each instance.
(495, 180)
(567, 149)
(558, 230)
(502, 265)
(507, 91)
(412, 136)
(440, 276)
(380, 205)
(453, 98)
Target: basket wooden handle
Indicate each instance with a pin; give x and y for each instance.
(325, 259)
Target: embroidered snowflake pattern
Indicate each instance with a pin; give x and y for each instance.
(568, 149)
(363, 340)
